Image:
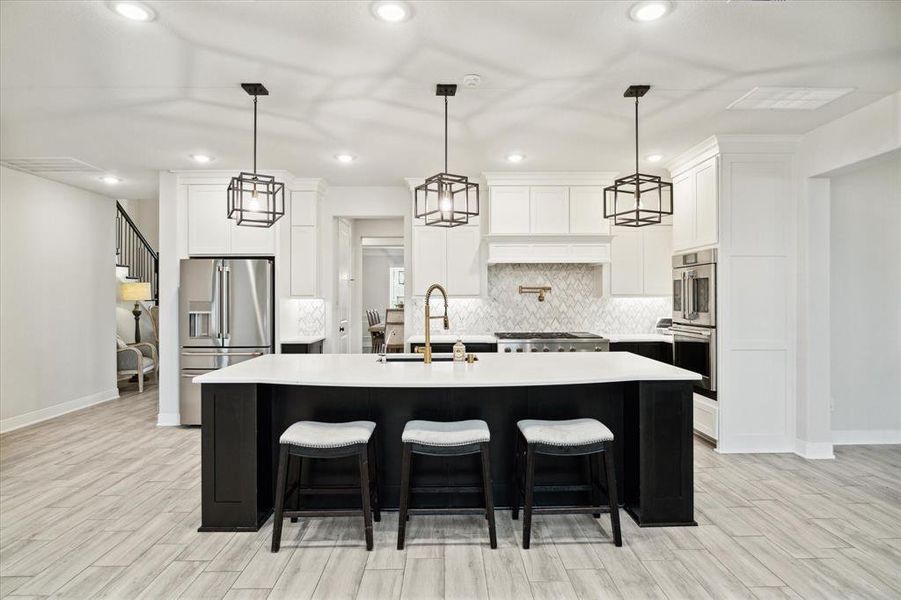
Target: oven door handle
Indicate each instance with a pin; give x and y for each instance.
(690, 277)
(690, 334)
(684, 297)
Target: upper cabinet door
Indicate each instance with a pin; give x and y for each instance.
(683, 211)
(586, 211)
(657, 259)
(209, 227)
(627, 268)
(549, 209)
(706, 199)
(304, 261)
(429, 257)
(509, 210)
(303, 208)
(463, 261)
(252, 240)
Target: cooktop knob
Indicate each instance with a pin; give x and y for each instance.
(572, 348)
(519, 349)
(534, 349)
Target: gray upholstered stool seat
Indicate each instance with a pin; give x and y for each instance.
(315, 434)
(446, 433)
(571, 432)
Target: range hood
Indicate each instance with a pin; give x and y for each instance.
(530, 250)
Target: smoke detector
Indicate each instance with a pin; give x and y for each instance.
(472, 80)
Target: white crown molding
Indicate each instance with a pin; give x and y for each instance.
(733, 144)
(574, 178)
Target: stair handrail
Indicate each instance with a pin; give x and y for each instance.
(137, 231)
(140, 256)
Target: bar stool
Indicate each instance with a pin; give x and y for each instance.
(313, 439)
(453, 438)
(574, 437)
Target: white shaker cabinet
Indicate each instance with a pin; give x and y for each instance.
(695, 201)
(211, 232)
(641, 261)
(304, 254)
(509, 210)
(549, 209)
(209, 227)
(463, 256)
(449, 256)
(429, 258)
(586, 211)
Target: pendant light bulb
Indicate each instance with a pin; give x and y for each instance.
(254, 203)
(445, 204)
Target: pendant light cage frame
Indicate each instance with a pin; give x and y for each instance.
(254, 199)
(446, 199)
(639, 199)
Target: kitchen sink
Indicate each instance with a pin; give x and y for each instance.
(416, 357)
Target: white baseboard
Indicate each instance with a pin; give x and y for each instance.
(849, 437)
(814, 450)
(168, 419)
(753, 444)
(36, 416)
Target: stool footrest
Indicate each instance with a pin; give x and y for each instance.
(326, 512)
(578, 487)
(569, 510)
(328, 490)
(445, 511)
(434, 489)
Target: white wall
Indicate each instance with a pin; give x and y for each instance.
(826, 152)
(57, 299)
(865, 276)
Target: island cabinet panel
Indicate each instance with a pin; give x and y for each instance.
(651, 422)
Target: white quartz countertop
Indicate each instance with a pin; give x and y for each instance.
(303, 339)
(638, 337)
(491, 370)
(451, 338)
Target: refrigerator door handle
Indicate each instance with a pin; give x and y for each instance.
(219, 301)
(226, 302)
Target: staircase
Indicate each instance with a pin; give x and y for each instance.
(135, 258)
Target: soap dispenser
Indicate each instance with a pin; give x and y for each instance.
(459, 351)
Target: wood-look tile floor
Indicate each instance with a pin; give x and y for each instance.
(103, 504)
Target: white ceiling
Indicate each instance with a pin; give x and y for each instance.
(135, 98)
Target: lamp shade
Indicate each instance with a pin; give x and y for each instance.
(135, 291)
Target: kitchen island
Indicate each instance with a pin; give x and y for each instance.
(647, 405)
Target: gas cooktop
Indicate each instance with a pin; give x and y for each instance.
(547, 335)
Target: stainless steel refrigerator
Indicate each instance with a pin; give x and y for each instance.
(226, 308)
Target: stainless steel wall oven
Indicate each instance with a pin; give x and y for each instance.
(694, 316)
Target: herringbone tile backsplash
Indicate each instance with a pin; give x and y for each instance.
(572, 305)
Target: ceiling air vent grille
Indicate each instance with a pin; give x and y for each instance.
(788, 98)
(62, 164)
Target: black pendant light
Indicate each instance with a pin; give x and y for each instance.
(640, 199)
(255, 200)
(445, 199)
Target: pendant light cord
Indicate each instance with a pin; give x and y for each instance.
(445, 134)
(636, 135)
(255, 134)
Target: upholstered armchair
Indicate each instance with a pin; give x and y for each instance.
(136, 360)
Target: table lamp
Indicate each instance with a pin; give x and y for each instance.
(136, 291)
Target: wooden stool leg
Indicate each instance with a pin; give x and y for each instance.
(374, 479)
(301, 461)
(591, 468)
(404, 495)
(515, 489)
(530, 493)
(611, 494)
(280, 497)
(487, 485)
(365, 495)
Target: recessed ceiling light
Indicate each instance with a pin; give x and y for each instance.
(391, 11)
(787, 98)
(650, 10)
(110, 179)
(134, 11)
(515, 157)
(345, 158)
(202, 158)
(654, 157)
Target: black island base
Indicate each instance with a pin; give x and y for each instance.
(651, 422)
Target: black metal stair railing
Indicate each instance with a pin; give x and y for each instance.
(135, 252)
